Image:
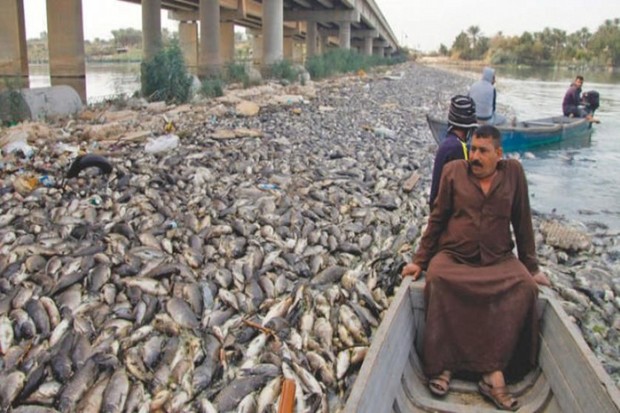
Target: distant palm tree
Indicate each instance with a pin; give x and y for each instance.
(473, 33)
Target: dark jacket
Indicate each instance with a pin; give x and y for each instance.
(572, 98)
(450, 149)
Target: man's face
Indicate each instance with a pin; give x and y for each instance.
(483, 157)
(578, 82)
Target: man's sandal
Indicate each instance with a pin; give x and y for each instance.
(499, 396)
(440, 384)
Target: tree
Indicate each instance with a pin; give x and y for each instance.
(473, 33)
(127, 37)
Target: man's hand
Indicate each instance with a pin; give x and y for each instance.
(411, 270)
(541, 279)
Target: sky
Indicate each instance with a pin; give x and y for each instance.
(418, 24)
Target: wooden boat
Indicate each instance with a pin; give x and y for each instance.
(525, 135)
(569, 378)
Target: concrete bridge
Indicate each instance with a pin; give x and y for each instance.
(282, 29)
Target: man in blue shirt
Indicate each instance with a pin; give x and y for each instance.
(461, 123)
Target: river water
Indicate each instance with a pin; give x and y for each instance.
(580, 182)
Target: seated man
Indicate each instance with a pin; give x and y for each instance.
(572, 104)
(480, 299)
(483, 92)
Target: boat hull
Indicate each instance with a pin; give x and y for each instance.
(532, 134)
(569, 377)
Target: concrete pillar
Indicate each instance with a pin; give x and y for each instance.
(188, 39)
(368, 46)
(273, 31)
(344, 35)
(151, 28)
(14, 52)
(257, 48)
(227, 41)
(65, 37)
(379, 51)
(311, 48)
(324, 44)
(210, 61)
(288, 48)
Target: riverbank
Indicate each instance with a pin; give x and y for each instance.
(266, 241)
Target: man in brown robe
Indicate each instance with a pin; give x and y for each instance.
(480, 299)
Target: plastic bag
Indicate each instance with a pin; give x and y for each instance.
(19, 145)
(163, 143)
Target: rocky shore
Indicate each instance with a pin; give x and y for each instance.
(235, 241)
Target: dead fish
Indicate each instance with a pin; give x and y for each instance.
(6, 334)
(235, 391)
(75, 388)
(268, 395)
(182, 313)
(330, 275)
(38, 314)
(11, 385)
(135, 398)
(91, 402)
(147, 285)
(115, 393)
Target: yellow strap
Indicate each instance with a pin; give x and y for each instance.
(465, 150)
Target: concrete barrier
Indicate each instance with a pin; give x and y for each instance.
(38, 103)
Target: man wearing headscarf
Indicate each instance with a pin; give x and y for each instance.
(461, 121)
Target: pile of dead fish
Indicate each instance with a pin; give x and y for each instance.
(260, 245)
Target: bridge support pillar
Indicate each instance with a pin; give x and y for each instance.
(323, 43)
(344, 35)
(273, 31)
(368, 46)
(188, 39)
(151, 28)
(13, 53)
(311, 37)
(227, 41)
(210, 60)
(292, 50)
(66, 44)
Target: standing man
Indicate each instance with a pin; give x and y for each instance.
(480, 299)
(484, 94)
(572, 100)
(461, 122)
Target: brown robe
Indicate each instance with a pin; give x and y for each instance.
(480, 299)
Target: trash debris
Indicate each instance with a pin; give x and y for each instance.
(47, 181)
(268, 186)
(87, 161)
(163, 143)
(95, 200)
(19, 145)
(382, 132)
(25, 184)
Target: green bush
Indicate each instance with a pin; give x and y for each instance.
(283, 69)
(13, 107)
(235, 72)
(165, 76)
(212, 87)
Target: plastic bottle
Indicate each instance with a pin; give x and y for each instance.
(95, 200)
(268, 186)
(46, 181)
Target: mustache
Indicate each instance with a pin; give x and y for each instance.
(475, 163)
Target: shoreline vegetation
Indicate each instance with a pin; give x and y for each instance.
(549, 47)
